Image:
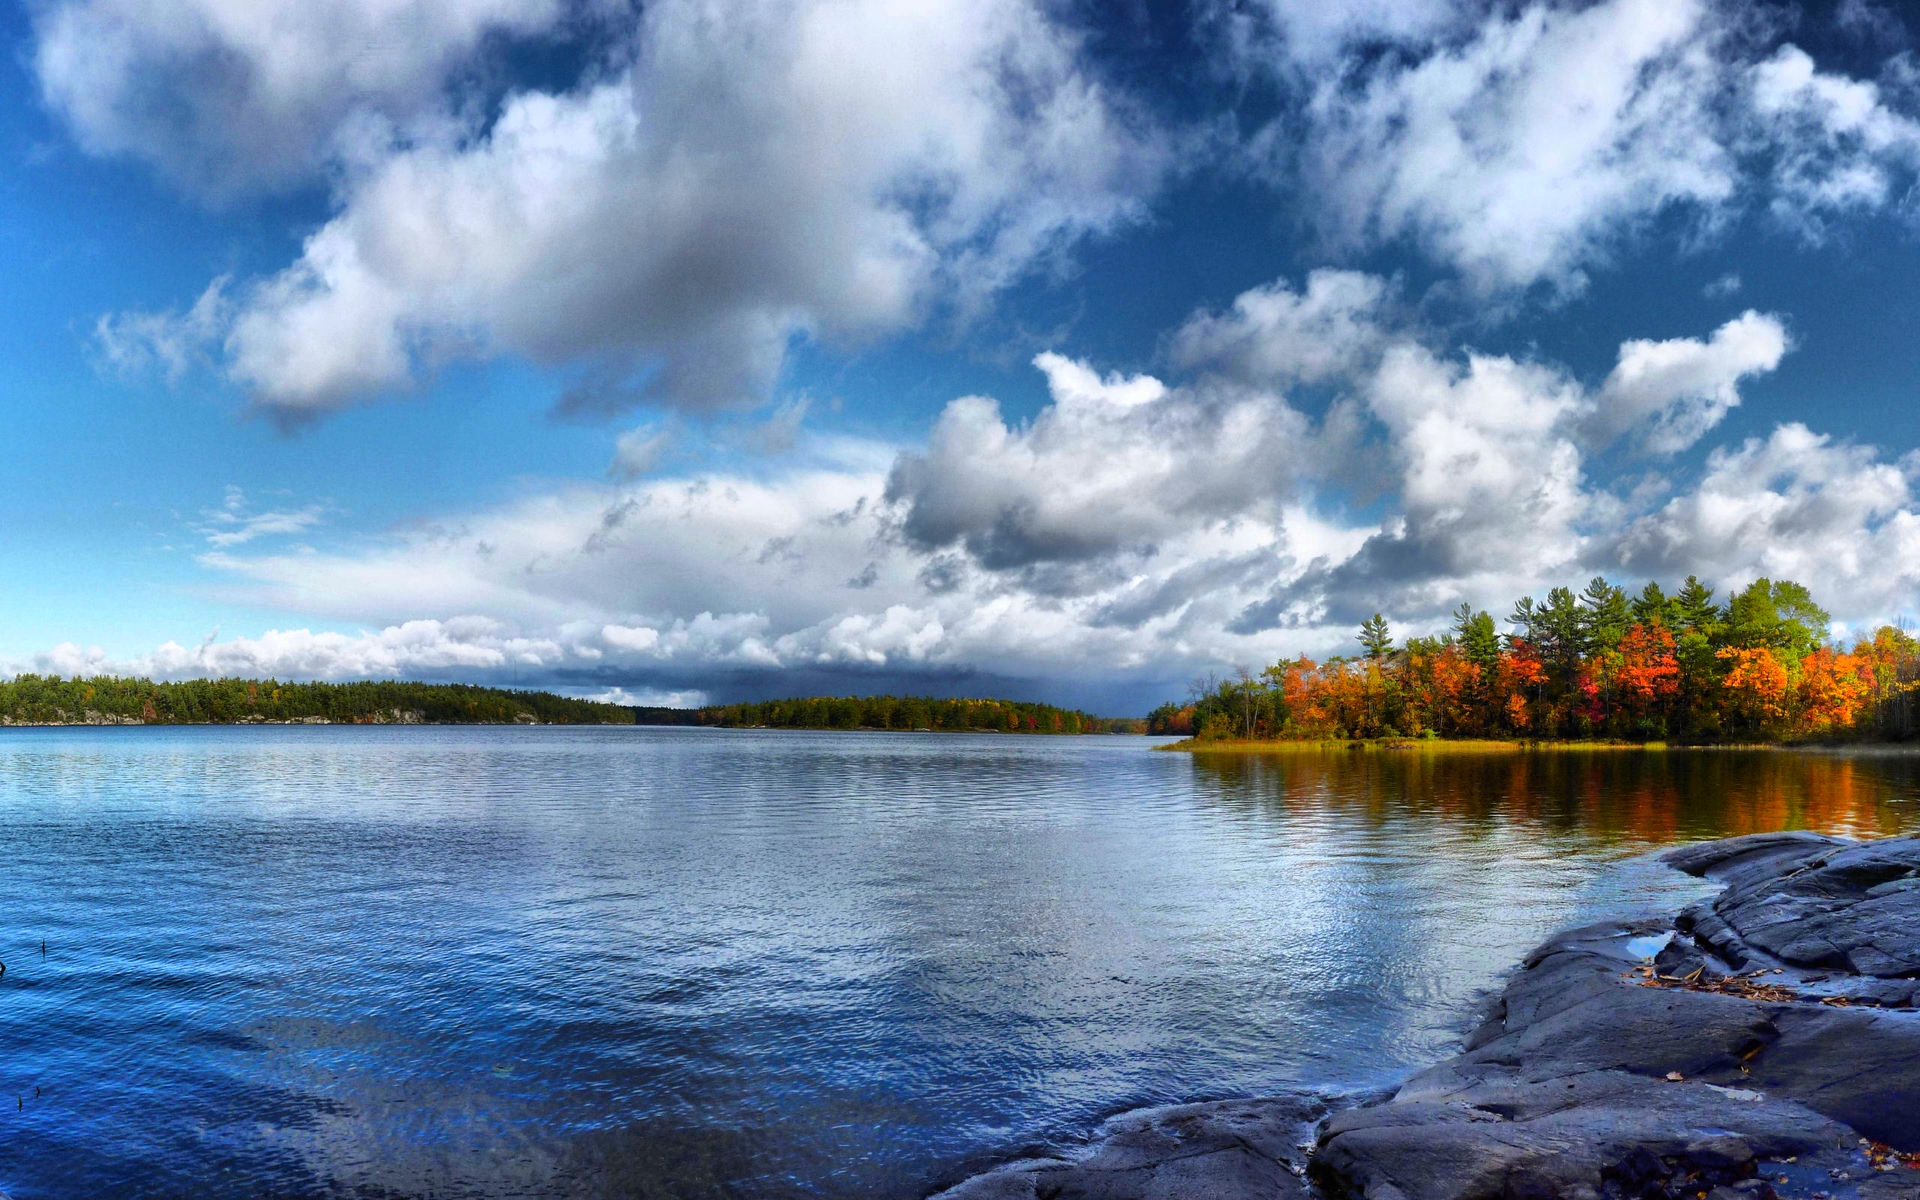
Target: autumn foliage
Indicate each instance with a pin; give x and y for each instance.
(1596, 664)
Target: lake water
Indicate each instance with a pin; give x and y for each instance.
(687, 963)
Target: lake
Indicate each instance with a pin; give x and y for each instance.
(487, 962)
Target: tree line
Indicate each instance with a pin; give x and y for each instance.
(893, 712)
(1600, 663)
(53, 700)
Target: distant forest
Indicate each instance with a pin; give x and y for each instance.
(109, 700)
(1758, 667)
(894, 712)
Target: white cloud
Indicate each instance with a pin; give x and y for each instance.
(1113, 464)
(1674, 391)
(1797, 505)
(235, 523)
(1838, 149)
(1523, 152)
(232, 96)
(1133, 532)
(1310, 33)
(1524, 145)
(414, 648)
(171, 343)
(1276, 334)
(835, 169)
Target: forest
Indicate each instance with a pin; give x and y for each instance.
(103, 699)
(1758, 666)
(897, 713)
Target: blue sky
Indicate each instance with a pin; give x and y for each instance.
(1067, 351)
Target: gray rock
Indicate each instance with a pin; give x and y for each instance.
(1849, 906)
(1585, 1079)
(1227, 1150)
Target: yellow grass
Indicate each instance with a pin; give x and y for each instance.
(1399, 745)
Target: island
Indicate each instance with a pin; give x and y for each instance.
(1761, 1045)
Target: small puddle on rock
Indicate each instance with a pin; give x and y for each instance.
(1649, 945)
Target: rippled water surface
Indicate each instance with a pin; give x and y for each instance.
(690, 963)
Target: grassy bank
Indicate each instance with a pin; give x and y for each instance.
(1397, 745)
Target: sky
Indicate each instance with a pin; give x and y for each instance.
(705, 350)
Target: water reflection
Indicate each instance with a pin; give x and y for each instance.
(1608, 796)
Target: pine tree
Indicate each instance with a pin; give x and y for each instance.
(1652, 607)
(1524, 615)
(1375, 637)
(1606, 618)
(1475, 633)
(1694, 605)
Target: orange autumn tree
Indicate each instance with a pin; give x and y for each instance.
(1647, 676)
(1832, 690)
(1755, 686)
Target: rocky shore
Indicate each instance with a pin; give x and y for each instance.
(1764, 1044)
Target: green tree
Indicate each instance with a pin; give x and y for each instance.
(1653, 607)
(1695, 609)
(1560, 629)
(1474, 631)
(1525, 615)
(1607, 616)
(1779, 615)
(1375, 637)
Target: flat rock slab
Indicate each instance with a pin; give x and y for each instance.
(1825, 903)
(1228, 1150)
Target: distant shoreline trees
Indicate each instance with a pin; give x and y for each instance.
(1597, 664)
(106, 699)
(904, 713)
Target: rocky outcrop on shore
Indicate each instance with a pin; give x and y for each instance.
(1762, 1044)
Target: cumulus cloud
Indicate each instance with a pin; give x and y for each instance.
(1114, 463)
(415, 648)
(1523, 145)
(1276, 334)
(231, 96)
(833, 170)
(1520, 153)
(1674, 391)
(1486, 457)
(1795, 504)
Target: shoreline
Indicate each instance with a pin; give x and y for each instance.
(1763, 1044)
(1508, 746)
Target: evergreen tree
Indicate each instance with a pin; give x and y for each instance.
(1375, 637)
(1474, 631)
(1560, 629)
(1694, 606)
(1524, 616)
(1606, 618)
(1652, 607)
